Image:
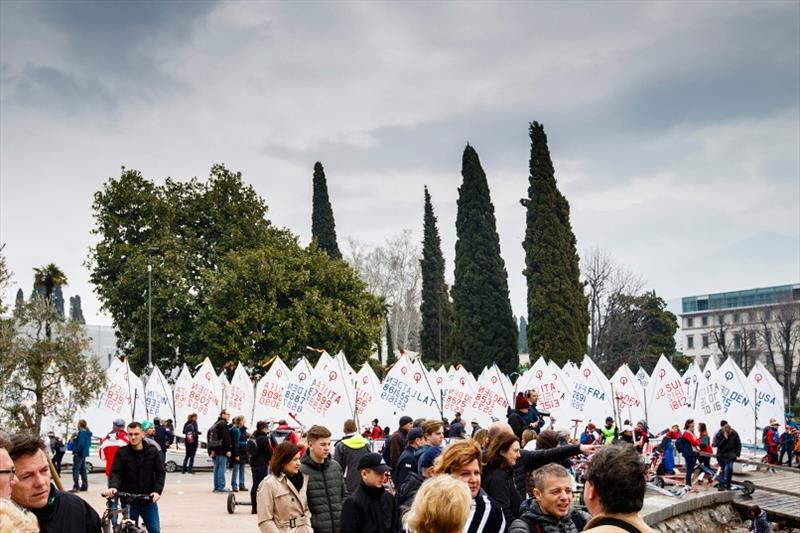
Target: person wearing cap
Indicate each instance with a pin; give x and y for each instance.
(57, 448)
(475, 427)
(407, 462)
(397, 443)
(457, 430)
(80, 451)
(517, 417)
(109, 445)
(405, 495)
(626, 435)
(771, 441)
(370, 507)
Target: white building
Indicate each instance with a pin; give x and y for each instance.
(743, 324)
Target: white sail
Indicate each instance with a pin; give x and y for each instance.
(158, 396)
(406, 391)
(205, 397)
(738, 401)
(768, 395)
(629, 395)
(239, 395)
(181, 394)
(667, 398)
(269, 393)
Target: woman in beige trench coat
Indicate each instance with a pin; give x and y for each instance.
(282, 502)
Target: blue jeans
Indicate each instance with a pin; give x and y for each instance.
(79, 470)
(691, 460)
(726, 474)
(149, 514)
(237, 473)
(220, 464)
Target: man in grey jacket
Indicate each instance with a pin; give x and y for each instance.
(326, 490)
(550, 510)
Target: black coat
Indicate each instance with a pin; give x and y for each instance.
(530, 460)
(406, 464)
(499, 485)
(67, 514)
(220, 427)
(191, 427)
(326, 493)
(728, 449)
(368, 509)
(137, 471)
(404, 497)
(516, 419)
(264, 455)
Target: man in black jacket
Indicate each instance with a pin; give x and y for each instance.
(220, 437)
(56, 511)
(729, 448)
(259, 461)
(138, 469)
(369, 508)
(408, 461)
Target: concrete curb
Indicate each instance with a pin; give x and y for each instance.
(687, 506)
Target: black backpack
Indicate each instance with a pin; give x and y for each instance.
(681, 445)
(214, 440)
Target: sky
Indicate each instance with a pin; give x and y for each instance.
(674, 126)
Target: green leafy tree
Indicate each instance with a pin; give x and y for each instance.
(185, 229)
(45, 359)
(558, 317)
(485, 331)
(323, 227)
(75, 310)
(523, 335)
(279, 298)
(638, 330)
(436, 308)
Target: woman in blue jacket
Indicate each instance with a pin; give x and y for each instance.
(80, 451)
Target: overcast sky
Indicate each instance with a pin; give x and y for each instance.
(674, 127)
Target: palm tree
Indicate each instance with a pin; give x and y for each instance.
(48, 278)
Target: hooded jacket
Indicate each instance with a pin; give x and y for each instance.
(368, 509)
(347, 453)
(326, 493)
(531, 514)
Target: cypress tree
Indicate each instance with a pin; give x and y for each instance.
(435, 309)
(58, 301)
(75, 310)
(523, 335)
(323, 227)
(390, 357)
(558, 318)
(20, 300)
(485, 330)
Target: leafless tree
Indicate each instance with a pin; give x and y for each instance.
(605, 280)
(392, 271)
(780, 334)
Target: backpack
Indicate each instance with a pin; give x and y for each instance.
(214, 441)
(252, 447)
(682, 445)
(385, 451)
(765, 436)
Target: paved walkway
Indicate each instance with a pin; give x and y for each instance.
(188, 505)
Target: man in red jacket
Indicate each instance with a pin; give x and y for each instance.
(112, 442)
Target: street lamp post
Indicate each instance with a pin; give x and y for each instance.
(150, 252)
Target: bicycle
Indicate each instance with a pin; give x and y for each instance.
(125, 525)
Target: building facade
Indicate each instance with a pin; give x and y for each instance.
(747, 325)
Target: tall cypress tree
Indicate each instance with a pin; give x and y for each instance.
(390, 357)
(75, 310)
(485, 330)
(523, 335)
(435, 309)
(20, 300)
(323, 228)
(558, 318)
(58, 301)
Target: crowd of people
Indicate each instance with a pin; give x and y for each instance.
(516, 475)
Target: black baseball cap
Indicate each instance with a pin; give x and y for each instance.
(373, 461)
(415, 433)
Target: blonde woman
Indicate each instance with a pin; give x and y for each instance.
(529, 440)
(282, 500)
(441, 506)
(462, 460)
(481, 436)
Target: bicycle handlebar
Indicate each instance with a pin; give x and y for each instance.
(130, 497)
